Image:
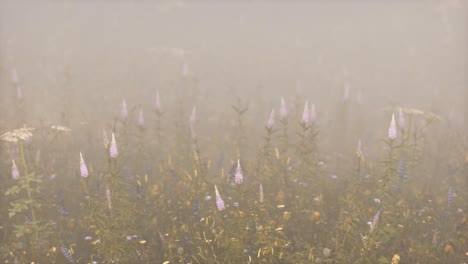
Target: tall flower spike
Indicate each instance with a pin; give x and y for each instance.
(157, 103)
(305, 114)
(238, 177)
(375, 220)
(347, 87)
(193, 116)
(109, 198)
(401, 118)
(113, 151)
(124, 110)
(271, 119)
(359, 148)
(19, 93)
(141, 118)
(283, 109)
(219, 200)
(313, 114)
(392, 129)
(14, 171)
(260, 193)
(83, 169)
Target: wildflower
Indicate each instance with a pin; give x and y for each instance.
(346, 91)
(450, 196)
(185, 69)
(305, 114)
(20, 133)
(113, 147)
(359, 149)
(271, 119)
(141, 119)
(61, 128)
(157, 104)
(395, 259)
(359, 97)
(313, 114)
(14, 171)
(83, 168)
(238, 177)
(14, 77)
(283, 110)
(19, 93)
(375, 220)
(109, 198)
(260, 193)
(124, 110)
(219, 200)
(392, 129)
(401, 118)
(67, 254)
(401, 170)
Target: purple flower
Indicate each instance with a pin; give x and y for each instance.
(392, 129)
(283, 110)
(271, 119)
(157, 104)
(124, 110)
(83, 168)
(375, 220)
(141, 119)
(313, 114)
(14, 171)
(113, 151)
(19, 93)
(260, 193)
(306, 114)
(219, 200)
(238, 177)
(401, 119)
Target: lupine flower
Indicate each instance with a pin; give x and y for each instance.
(375, 220)
(283, 110)
(105, 138)
(271, 119)
(185, 69)
(346, 91)
(113, 151)
(192, 119)
(359, 148)
(306, 114)
(401, 118)
(14, 171)
(260, 194)
(392, 129)
(141, 119)
(401, 170)
(109, 198)
(14, 77)
(219, 200)
(313, 114)
(19, 93)
(238, 177)
(67, 254)
(450, 196)
(83, 168)
(157, 104)
(124, 110)
(359, 99)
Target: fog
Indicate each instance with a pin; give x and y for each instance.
(74, 63)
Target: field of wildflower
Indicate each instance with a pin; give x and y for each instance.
(170, 181)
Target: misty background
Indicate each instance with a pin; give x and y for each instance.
(79, 59)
